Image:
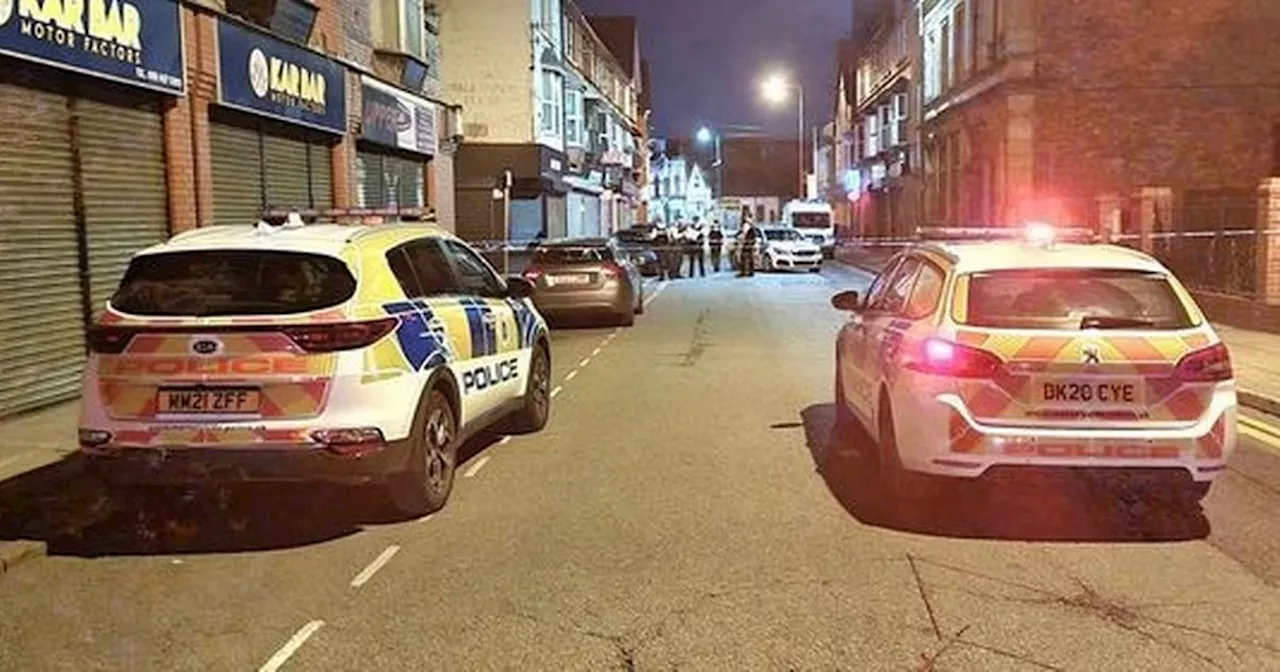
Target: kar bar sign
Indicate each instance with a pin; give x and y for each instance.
(137, 42)
(397, 118)
(260, 74)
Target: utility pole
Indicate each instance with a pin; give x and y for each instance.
(507, 179)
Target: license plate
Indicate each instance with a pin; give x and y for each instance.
(568, 280)
(220, 401)
(1100, 393)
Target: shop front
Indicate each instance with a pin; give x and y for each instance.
(584, 205)
(398, 139)
(281, 109)
(82, 181)
(538, 192)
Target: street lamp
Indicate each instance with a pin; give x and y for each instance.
(775, 90)
(704, 136)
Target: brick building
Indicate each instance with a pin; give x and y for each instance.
(117, 134)
(549, 100)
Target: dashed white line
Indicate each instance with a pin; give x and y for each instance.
(504, 440)
(655, 295)
(571, 375)
(378, 563)
(584, 362)
(475, 468)
(596, 352)
(291, 647)
(556, 392)
(425, 518)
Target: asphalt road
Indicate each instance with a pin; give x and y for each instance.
(670, 517)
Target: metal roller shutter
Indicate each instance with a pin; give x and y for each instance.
(288, 174)
(237, 174)
(41, 314)
(556, 215)
(387, 180)
(125, 201)
(321, 175)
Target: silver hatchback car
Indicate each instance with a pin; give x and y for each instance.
(586, 277)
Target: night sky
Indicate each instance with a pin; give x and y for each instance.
(707, 58)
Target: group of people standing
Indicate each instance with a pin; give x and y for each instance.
(689, 242)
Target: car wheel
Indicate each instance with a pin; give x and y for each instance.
(425, 487)
(894, 477)
(627, 319)
(640, 302)
(846, 429)
(536, 407)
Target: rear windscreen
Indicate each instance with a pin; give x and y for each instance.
(233, 282)
(553, 256)
(1073, 299)
(810, 220)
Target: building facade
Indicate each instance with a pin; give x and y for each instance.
(547, 103)
(1052, 110)
(885, 149)
(195, 114)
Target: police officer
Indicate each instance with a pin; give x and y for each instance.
(750, 238)
(662, 245)
(693, 249)
(715, 240)
(674, 251)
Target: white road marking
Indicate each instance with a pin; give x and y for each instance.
(475, 468)
(425, 518)
(378, 563)
(556, 392)
(291, 647)
(584, 362)
(596, 352)
(571, 375)
(505, 440)
(655, 295)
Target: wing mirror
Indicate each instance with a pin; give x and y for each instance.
(848, 301)
(519, 288)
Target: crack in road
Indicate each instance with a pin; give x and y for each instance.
(698, 344)
(1090, 601)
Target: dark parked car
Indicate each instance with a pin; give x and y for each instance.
(638, 246)
(585, 277)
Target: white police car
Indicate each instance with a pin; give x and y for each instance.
(326, 352)
(966, 358)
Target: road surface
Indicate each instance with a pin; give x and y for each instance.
(670, 517)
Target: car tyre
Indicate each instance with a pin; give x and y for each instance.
(535, 409)
(425, 486)
(897, 481)
(627, 319)
(846, 429)
(640, 303)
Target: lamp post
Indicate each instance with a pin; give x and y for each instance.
(775, 90)
(706, 135)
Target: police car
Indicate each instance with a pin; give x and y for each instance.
(310, 352)
(984, 354)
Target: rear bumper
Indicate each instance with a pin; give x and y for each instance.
(595, 301)
(246, 464)
(955, 444)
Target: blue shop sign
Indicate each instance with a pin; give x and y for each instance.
(260, 74)
(136, 42)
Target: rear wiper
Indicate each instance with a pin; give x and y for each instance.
(1108, 322)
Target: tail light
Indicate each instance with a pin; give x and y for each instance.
(944, 358)
(1209, 365)
(341, 336)
(354, 441)
(613, 271)
(109, 340)
(533, 273)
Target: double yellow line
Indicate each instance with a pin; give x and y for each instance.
(1265, 434)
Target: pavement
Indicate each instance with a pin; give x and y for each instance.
(671, 516)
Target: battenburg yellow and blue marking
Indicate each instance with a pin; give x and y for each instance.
(526, 321)
(421, 334)
(480, 321)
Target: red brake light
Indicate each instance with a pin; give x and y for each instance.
(613, 270)
(108, 340)
(1208, 365)
(340, 336)
(954, 360)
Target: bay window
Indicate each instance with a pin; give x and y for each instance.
(573, 131)
(552, 100)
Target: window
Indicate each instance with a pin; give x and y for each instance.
(899, 288)
(552, 99)
(945, 61)
(1066, 298)
(413, 27)
(422, 269)
(475, 276)
(881, 283)
(960, 50)
(927, 292)
(563, 255)
(573, 132)
(398, 25)
(932, 64)
(233, 282)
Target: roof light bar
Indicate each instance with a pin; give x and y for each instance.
(292, 218)
(1038, 233)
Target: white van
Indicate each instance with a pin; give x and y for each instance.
(814, 220)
